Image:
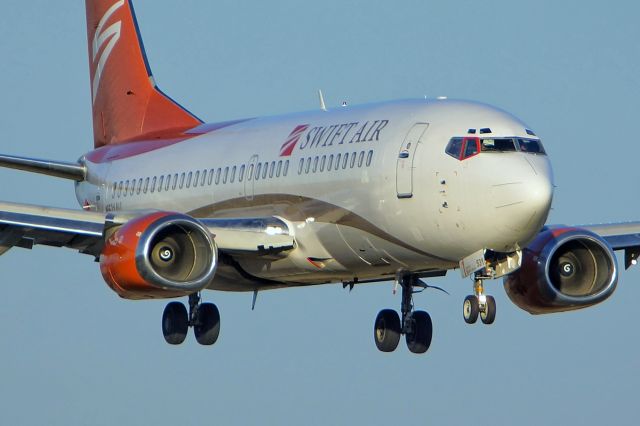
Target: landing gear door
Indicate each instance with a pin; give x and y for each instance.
(250, 178)
(406, 163)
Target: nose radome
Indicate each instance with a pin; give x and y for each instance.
(522, 207)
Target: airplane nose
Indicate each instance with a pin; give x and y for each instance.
(523, 202)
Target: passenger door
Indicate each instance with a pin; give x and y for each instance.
(405, 163)
(250, 178)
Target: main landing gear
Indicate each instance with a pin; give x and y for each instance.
(415, 325)
(479, 304)
(203, 317)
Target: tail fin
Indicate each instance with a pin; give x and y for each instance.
(127, 105)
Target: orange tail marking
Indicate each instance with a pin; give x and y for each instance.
(127, 105)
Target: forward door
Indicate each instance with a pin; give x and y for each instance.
(406, 160)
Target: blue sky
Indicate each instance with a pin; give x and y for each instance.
(73, 353)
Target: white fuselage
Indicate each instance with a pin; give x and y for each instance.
(398, 202)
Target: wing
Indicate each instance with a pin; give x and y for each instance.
(25, 226)
(620, 236)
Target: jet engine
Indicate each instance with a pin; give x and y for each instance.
(563, 269)
(159, 255)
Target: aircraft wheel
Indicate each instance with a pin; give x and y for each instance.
(488, 315)
(386, 331)
(207, 326)
(419, 339)
(175, 323)
(470, 309)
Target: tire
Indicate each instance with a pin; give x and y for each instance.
(489, 314)
(175, 323)
(470, 309)
(207, 328)
(419, 340)
(386, 331)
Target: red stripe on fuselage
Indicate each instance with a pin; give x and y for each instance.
(130, 149)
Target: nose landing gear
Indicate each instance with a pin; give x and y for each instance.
(415, 325)
(203, 317)
(479, 304)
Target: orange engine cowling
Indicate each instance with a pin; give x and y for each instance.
(159, 255)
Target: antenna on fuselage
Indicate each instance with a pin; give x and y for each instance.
(322, 105)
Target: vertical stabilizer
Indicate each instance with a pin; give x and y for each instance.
(127, 105)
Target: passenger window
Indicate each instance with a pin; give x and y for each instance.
(471, 147)
(322, 161)
(203, 178)
(241, 173)
(286, 168)
(308, 165)
(175, 182)
(160, 182)
(233, 174)
(300, 166)
(196, 178)
(189, 176)
(153, 185)
(146, 185)
(265, 169)
(338, 161)
(330, 163)
(258, 169)
(182, 176)
(226, 175)
(279, 169)
(250, 172)
(454, 148)
(353, 159)
(167, 183)
(315, 164)
(210, 180)
(369, 158)
(218, 173)
(272, 169)
(120, 189)
(360, 159)
(345, 160)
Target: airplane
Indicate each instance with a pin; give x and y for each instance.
(401, 191)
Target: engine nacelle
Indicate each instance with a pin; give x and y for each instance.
(563, 269)
(159, 255)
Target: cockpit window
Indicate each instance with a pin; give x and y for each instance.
(454, 148)
(531, 145)
(461, 148)
(498, 145)
(470, 147)
(465, 147)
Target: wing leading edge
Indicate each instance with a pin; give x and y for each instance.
(24, 226)
(620, 236)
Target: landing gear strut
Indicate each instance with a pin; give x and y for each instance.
(203, 317)
(479, 304)
(415, 325)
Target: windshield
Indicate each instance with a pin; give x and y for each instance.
(533, 146)
(465, 147)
